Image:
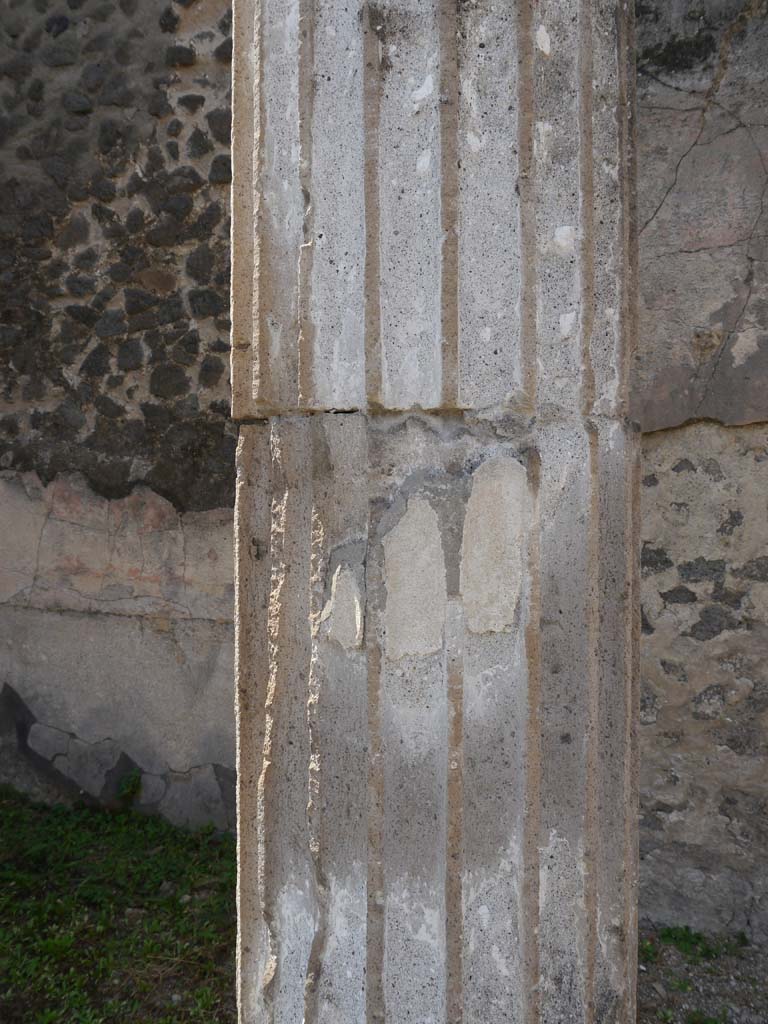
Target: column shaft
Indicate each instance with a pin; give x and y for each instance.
(433, 311)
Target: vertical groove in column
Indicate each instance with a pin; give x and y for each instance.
(251, 527)
(306, 103)
(591, 834)
(449, 202)
(372, 104)
(374, 953)
(527, 189)
(259, 346)
(244, 145)
(586, 205)
(454, 867)
(315, 780)
(532, 820)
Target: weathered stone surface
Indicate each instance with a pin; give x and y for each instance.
(393, 880)
(194, 799)
(47, 742)
(339, 302)
(80, 552)
(87, 764)
(186, 451)
(94, 694)
(99, 209)
(703, 170)
(704, 736)
(433, 295)
(116, 642)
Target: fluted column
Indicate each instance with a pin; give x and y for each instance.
(433, 313)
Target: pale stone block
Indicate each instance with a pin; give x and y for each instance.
(87, 764)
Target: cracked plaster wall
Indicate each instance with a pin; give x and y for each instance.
(116, 645)
(700, 395)
(115, 619)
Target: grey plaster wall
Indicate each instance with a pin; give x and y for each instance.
(115, 503)
(116, 646)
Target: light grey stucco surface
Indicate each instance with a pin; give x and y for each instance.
(116, 651)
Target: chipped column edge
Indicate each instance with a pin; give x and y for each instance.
(248, 724)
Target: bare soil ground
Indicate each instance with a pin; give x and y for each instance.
(689, 978)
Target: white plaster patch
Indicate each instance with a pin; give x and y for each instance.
(423, 162)
(344, 611)
(414, 577)
(492, 545)
(746, 345)
(542, 139)
(422, 921)
(567, 324)
(543, 41)
(424, 90)
(474, 142)
(565, 239)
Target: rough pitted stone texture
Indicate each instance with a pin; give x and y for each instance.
(435, 518)
(114, 214)
(704, 699)
(702, 354)
(339, 302)
(116, 603)
(452, 752)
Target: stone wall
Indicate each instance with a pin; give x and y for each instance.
(701, 394)
(704, 700)
(115, 441)
(114, 237)
(116, 646)
(115, 501)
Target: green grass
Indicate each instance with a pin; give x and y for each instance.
(696, 947)
(697, 1017)
(113, 917)
(647, 951)
(680, 984)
